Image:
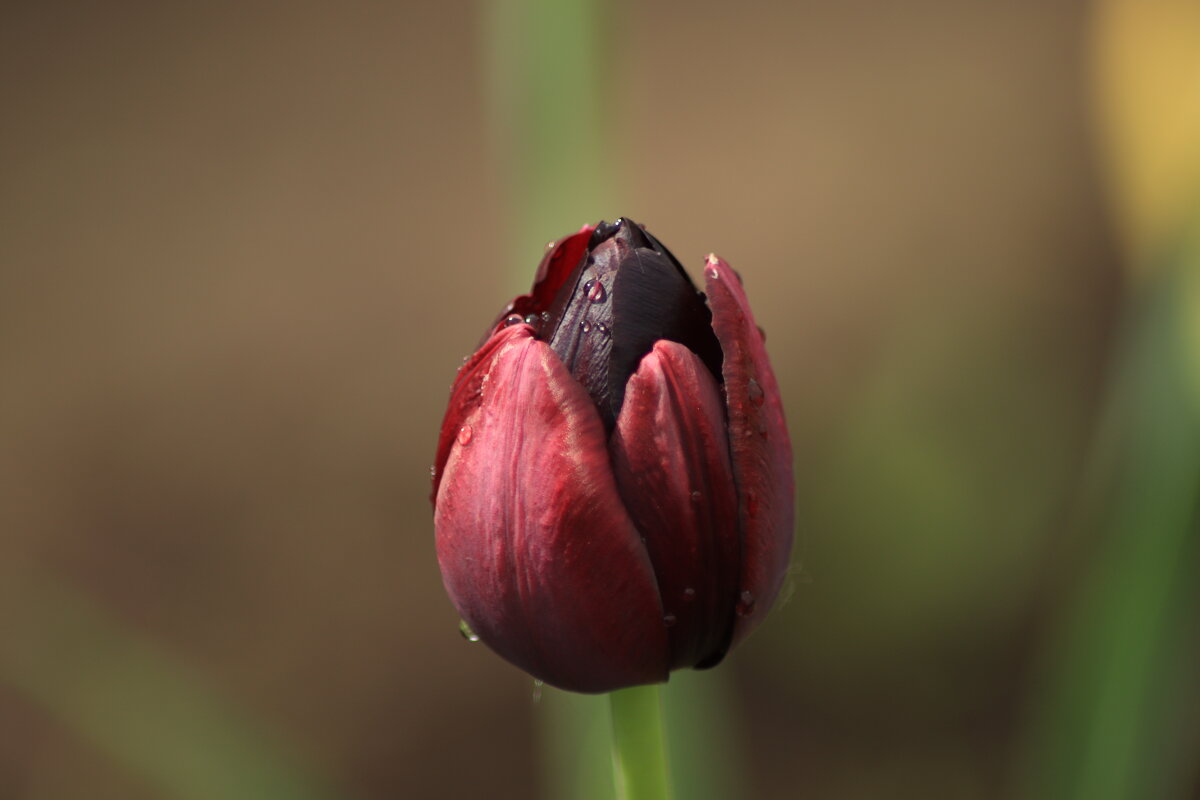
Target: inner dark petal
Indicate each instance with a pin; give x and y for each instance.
(626, 294)
(654, 299)
(582, 336)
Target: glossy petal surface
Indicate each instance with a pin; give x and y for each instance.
(672, 464)
(465, 396)
(557, 267)
(536, 549)
(759, 443)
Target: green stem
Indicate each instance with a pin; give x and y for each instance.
(639, 744)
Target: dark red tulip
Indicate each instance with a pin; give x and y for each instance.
(613, 485)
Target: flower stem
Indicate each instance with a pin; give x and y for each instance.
(639, 744)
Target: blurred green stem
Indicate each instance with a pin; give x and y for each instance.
(1119, 718)
(639, 744)
(547, 113)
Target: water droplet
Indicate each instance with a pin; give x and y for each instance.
(433, 472)
(537, 690)
(697, 497)
(710, 266)
(594, 291)
(550, 245)
(751, 503)
(585, 326)
(745, 603)
(512, 319)
(757, 396)
(669, 620)
(545, 315)
(464, 435)
(689, 594)
(532, 319)
(467, 633)
(601, 328)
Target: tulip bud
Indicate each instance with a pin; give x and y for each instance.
(613, 485)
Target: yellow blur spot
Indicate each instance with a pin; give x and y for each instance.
(1147, 68)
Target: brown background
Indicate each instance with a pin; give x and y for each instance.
(243, 247)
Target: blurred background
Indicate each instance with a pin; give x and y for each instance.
(244, 246)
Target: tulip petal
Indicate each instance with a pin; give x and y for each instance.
(536, 549)
(465, 396)
(758, 440)
(557, 266)
(672, 463)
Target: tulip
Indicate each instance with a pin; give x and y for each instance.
(613, 485)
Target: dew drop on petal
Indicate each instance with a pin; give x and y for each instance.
(756, 393)
(532, 319)
(594, 291)
(464, 435)
(537, 690)
(710, 266)
(745, 603)
(697, 497)
(689, 594)
(669, 620)
(467, 633)
(601, 328)
(512, 319)
(585, 326)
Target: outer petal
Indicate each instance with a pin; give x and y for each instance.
(466, 394)
(671, 458)
(758, 439)
(537, 552)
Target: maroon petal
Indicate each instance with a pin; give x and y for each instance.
(537, 552)
(671, 459)
(465, 396)
(758, 439)
(557, 265)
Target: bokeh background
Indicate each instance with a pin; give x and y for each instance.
(244, 246)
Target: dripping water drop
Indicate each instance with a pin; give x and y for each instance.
(745, 603)
(594, 291)
(464, 435)
(467, 633)
(757, 396)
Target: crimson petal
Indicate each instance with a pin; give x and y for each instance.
(758, 439)
(555, 268)
(536, 549)
(671, 459)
